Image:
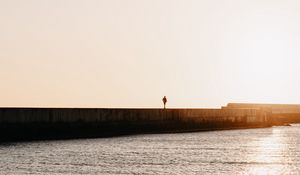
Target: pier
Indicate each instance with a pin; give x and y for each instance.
(63, 123)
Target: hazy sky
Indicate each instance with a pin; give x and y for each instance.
(129, 53)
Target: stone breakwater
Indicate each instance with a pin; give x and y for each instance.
(63, 123)
(278, 113)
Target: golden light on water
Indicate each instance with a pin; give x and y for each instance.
(269, 147)
(267, 157)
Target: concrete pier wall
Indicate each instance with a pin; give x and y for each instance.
(52, 115)
(61, 123)
(274, 108)
(278, 113)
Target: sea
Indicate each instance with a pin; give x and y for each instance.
(274, 150)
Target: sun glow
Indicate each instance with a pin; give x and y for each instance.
(131, 53)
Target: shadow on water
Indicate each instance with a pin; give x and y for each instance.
(70, 131)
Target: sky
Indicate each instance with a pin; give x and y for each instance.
(130, 53)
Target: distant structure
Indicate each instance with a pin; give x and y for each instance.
(278, 113)
(271, 108)
(165, 100)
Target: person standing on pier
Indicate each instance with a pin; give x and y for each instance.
(165, 100)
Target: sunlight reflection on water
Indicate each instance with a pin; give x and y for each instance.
(269, 152)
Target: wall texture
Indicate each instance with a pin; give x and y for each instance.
(50, 115)
(278, 113)
(61, 123)
(274, 108)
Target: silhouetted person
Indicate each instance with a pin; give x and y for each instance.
(165, 101)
